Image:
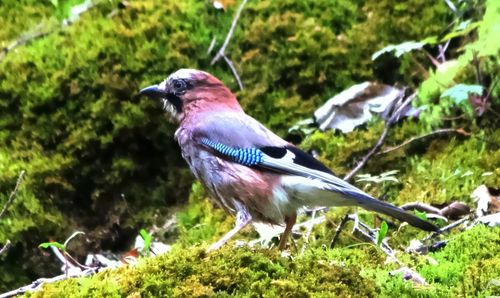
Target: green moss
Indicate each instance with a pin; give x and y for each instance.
(461, 263)
(451, 170)
(240, 272)
(19, 17)
(481, 278)
(465, 267)
(465, 249)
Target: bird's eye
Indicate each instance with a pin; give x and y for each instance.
(179, 85)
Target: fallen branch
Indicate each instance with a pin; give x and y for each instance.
(211, 46)
(442, 51)
(453, 210)
(46, 28)
(13, 193)
(372, 152)
(310, 227)
(422, 207)
(408, 274)
(413, 139)
(370, 234)
(312, 221)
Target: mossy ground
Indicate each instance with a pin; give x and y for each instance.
(101, 159)
(466, 267)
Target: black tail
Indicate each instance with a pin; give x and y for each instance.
(372, 204)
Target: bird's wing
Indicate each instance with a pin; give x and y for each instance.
(238, 131)
(288, 159)
(234, 129)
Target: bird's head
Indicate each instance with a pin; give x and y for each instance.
(189, 92)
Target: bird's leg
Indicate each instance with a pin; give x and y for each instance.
(242, 220)
(354, 217)
(289, 222)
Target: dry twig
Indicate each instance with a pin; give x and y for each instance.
(233, 70)
(13, 193)
(413, 139)
(395, 115)
(211, 46)
(338, 230)
(5, 247)
(442, 51)
(446, 228)
(222, 51)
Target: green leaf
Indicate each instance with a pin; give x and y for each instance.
(389, 173)
(432, 40)
(303, 126)
(400, 49)
(488, 30)
(382, 232)
(460, 92)
(384, 177)
(63, 9)
(147, 240)
(463, 29)
(390, 178)
(53, 244)
(421, 215)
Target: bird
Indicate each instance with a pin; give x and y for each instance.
(248, 170)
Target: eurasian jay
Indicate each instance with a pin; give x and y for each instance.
(250, 171)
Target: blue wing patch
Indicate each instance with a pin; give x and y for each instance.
(245, 156)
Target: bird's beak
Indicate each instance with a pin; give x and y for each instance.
(153, 92)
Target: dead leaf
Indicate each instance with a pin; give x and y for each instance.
(486, 203)
(222, 4)
(355, 106)
(455, 210)
(490, 220)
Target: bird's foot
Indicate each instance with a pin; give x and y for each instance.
(216, 245)
(355, 218)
